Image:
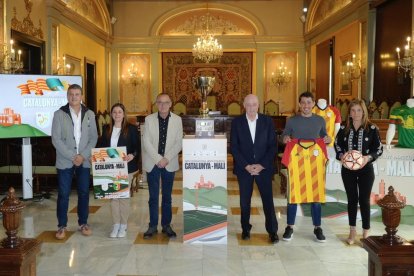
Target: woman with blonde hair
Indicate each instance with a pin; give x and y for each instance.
(358, 134)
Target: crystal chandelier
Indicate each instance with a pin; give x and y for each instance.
(207, 48)
(406, 63)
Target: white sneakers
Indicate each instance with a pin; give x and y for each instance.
(115, 230)
(118, 231)
(122, 231)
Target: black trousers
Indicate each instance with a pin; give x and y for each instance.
(358, 186)
(264, 183)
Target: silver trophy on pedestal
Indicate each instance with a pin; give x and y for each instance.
(204, 85)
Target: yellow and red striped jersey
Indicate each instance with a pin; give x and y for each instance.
(306, 163)
(332, 116)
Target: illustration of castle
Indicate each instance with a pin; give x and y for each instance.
(8, 117)
(375, 197)
(202, 184)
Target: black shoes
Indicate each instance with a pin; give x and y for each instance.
(287, 236)
(319, 234)
(273, 238)
(245, 235)
(150, 232)
(167, 230)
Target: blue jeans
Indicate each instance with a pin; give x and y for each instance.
(316, 211)
(167, 179)
(65, 183)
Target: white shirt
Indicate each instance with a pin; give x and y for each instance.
(252, 126)
(115, 136)
(77, 126)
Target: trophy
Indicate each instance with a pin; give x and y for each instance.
(204, 85)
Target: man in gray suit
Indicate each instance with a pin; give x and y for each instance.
(74, 134)
(162, 142)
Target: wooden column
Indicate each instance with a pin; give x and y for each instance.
(17, 255)
(390, 254)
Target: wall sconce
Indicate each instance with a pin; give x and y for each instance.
(9, 62)
(406, 62)
(62, 67)
(282, 76)
(353, 70)
(135, 78)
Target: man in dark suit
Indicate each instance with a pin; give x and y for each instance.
(253, 145)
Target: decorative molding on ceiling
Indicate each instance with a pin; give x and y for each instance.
(226, 20)
(321, 10)
(62, 13)
(94, 11)
(216, 24)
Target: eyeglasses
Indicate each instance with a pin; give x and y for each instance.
(163, 103)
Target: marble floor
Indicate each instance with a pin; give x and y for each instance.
(101, 255)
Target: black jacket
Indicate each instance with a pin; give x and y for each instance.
(367, 141)
(263, 150)
(132, 143)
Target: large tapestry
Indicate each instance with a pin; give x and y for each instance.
(233, 75)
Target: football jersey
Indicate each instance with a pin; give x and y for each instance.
(332, 116)
(306, 163)
(403, 117)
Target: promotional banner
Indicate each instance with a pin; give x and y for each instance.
(394, 168)
(110, 173)
(205, 190)
(29, 102)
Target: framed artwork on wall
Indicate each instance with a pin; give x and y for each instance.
(345, 81)
(134, 82)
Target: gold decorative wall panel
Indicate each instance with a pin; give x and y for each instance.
(26, 26)
(285, 94)
(134, 82)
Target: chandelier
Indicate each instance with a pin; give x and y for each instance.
(282, 76)
(406, 63)
(207, 48)
(10, 60)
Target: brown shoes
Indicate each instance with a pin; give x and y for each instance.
(61, 233)
(85, 230)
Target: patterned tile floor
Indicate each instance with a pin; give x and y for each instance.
(101, 255)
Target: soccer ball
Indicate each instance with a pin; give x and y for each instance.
(353, 160)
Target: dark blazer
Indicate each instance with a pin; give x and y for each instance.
(263, 150)
(132, 143)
